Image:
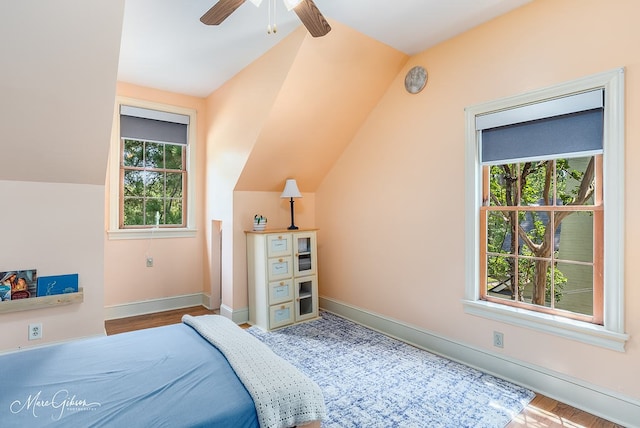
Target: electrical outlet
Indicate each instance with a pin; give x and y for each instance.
(498, 339)
(149, 261)
(35, 331)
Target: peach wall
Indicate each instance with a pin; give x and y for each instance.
(58, 84)
(392, 209)
(289, 114)
(181, 265)
(331, 87)
(56, 229)
(235, 115)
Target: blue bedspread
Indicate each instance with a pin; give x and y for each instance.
(161, 377)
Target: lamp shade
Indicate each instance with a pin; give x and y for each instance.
(291, 189)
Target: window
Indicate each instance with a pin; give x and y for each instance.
(150, 169)
(153, 184)
(544, 183)
(542, 206)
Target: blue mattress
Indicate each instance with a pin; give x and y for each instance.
(161, 377)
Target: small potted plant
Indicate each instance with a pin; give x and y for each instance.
(259, 222)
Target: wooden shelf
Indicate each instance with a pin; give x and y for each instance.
(41, 302)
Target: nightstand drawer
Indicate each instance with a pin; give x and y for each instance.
(280, 268)
(281, 315)
(279, 245)
(280, 291)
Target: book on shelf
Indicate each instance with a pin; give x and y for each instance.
(18, 284)
(57, 284)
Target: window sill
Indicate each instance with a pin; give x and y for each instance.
(151, 233)
(576, 330)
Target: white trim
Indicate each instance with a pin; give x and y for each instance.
(561, 326)
(613, 170)
(572, 103)
(612, 334)
(153, 233)
(564, 155)
(607, 404)
(114, 232)
(238, 316)
(146, 113)
(152, 306)
(206, 301)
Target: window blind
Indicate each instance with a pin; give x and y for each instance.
(153, 125)
(565, 127)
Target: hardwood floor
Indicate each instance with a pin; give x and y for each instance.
(542, 412)
(140, 322)
(545, 412)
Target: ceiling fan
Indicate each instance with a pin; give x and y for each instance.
(306, 10)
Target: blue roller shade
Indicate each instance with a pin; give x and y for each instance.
(567, 127)
(152, 125)
(570, 135)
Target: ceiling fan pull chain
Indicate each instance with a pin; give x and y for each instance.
(275, 26)
(272, 29)
(269, 17)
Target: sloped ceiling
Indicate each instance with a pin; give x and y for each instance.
(165, 46)
(330, 89)
(57, 80)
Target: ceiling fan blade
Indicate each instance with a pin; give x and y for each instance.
(312, 18)
(220, 11)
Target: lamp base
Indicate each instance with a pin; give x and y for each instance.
(293, 224)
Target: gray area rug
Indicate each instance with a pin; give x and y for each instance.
(371, 380)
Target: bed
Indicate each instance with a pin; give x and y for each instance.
(205, 371)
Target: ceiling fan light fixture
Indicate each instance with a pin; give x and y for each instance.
(290, 4)
(306, 10)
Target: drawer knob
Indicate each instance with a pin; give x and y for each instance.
(280, 260)
(281, 282)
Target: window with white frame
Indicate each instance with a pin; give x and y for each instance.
(544, 221)
(151, 171)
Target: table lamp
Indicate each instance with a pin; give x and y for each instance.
(291, 191)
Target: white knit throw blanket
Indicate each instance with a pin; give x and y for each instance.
(283, 396)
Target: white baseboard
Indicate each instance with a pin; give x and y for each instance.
(238, 316)
(155, 305)
(591, 398)
(206, 301)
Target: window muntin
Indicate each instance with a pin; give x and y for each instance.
(540, 219)
(153, 184)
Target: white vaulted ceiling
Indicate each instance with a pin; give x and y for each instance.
(61, 60)
(165, 46)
